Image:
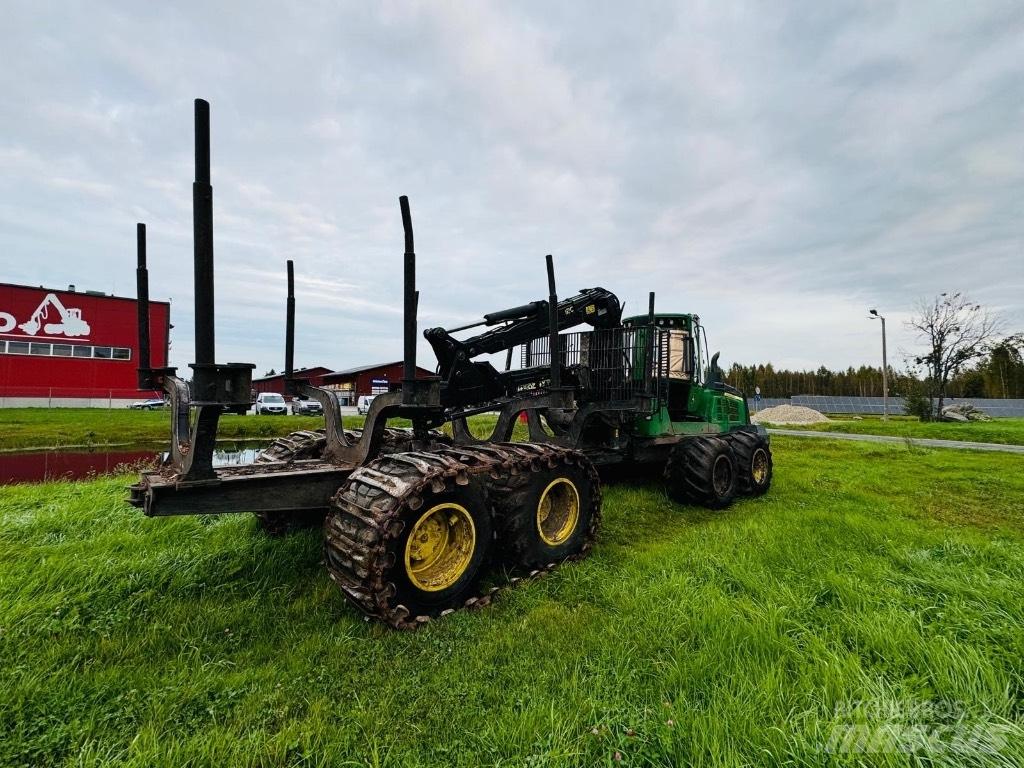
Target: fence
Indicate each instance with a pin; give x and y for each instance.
(69, 397)
(873, 405)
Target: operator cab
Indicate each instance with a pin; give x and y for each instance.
(681, 351)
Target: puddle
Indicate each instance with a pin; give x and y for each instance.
(40, 466)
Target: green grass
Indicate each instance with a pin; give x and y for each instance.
(1005, 431)
(56, 427)
(868, 574)
(36, 428)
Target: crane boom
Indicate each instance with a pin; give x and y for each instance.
(470, 382)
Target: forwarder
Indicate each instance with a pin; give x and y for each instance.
(415, 519)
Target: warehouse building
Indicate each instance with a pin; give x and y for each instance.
(275, 382)
(73, 348)
(368, 380)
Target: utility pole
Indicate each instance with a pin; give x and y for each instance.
(885, 368)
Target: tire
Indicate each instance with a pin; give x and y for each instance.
(548, 514)
(702, 471)
(462, 503)
(306, 444)
(432, 558)
(310, 444)
(753, 462)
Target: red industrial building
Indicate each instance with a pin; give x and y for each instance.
(350, 383)
(275, 383)
(74, 348)
(368, 380)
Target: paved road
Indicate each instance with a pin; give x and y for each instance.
(926, 442)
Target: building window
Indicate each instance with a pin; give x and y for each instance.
(37, 349)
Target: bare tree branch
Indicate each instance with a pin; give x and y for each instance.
(956, 331)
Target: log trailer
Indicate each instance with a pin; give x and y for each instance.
(420, 522)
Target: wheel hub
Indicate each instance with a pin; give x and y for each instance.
(558, 511)
(440, 547)
(759, 466)
(722, 475)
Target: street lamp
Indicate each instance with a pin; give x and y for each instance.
(885, 368)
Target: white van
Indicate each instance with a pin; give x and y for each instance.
(363, 404)
(271, 403)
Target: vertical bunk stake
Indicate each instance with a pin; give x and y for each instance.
(556, 363)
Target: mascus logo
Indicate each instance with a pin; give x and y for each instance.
(51, 316)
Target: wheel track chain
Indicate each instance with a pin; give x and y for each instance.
(366, 515)
(506, 494)
(309, 443)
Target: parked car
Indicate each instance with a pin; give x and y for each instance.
(363, 404)
(155, 404)
(306, 408)
(271, 403)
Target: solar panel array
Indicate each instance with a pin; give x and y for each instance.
(856, 405)
(873, 405)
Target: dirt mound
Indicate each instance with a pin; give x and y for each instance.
(788, 414)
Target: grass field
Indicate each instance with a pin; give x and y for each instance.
(56, 427)
(42, 427)
(1007, 431)
(877, 580)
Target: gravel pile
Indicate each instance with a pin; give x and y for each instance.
(788, 414)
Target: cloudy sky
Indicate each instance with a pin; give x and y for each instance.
(776, 168)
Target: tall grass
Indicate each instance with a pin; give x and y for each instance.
(868, 574)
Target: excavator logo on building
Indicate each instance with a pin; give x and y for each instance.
(70, 320)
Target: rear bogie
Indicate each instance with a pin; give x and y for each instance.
(712, 470)
(413, 536)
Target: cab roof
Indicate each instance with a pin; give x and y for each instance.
(663, 318)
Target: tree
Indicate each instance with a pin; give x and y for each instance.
(271, 372)
(1004, 371)
(956, 331)
(916, 401)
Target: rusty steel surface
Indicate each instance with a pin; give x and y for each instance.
(365, 516)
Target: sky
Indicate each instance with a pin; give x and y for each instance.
(775, 168)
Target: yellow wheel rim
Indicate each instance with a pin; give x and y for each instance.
(440, 547)
(759, 466)
(558, 511)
